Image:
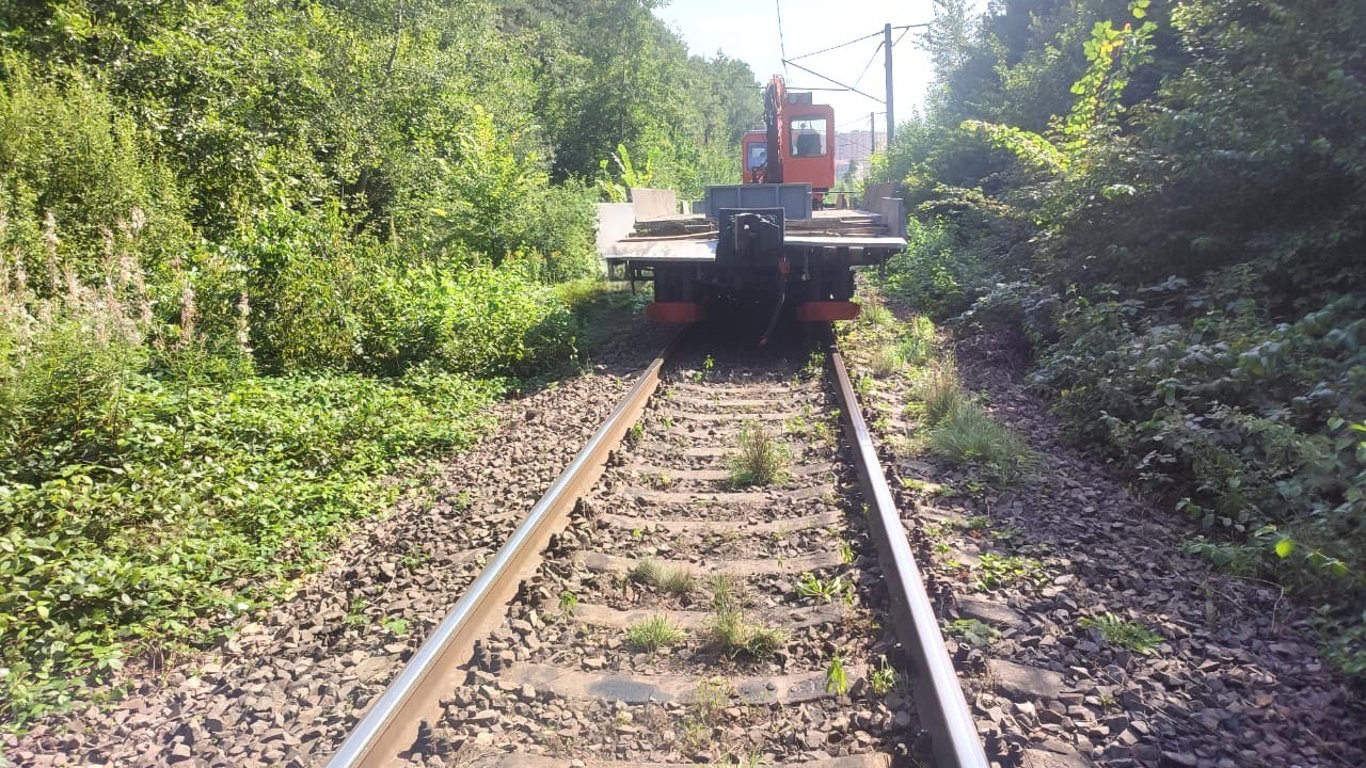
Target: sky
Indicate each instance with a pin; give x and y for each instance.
(748, 30)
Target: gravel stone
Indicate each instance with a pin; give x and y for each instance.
(1235, 678)
(288, 685)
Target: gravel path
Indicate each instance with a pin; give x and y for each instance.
(290, 684)
(1234, 680)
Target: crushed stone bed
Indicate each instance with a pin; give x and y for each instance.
(560, 680)
(1234, 679)
(289, 686)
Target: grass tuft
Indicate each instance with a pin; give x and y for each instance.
(651, 634)
(886, 361)
(920, 341)
(969, 435)
(1122, 634)
(759, 460)
(675, 581)
(729, 629)
(942, 393)
(878, 316)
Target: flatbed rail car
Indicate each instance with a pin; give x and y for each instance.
(756, 245)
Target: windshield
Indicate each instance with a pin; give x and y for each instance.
(808, 136)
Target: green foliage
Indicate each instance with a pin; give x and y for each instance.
(968, 435)
(652, 633)
(569, 602)
(836, 676)
(80, 181)
(1117, 632)
(64, 396)
(811, 586)
(254, 255)
(932, 274)
(919, 341)
(846, 551)
(207, 496)
(976, 632)
(1344, 639)
(883, 679)
(759, 458)
(1164, 202)
(996, 571)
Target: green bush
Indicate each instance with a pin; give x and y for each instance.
(934, 274)
(1248, 422)
(254, 254)
(78, 178)
(210, 496)
(64, 374)
(561, 234)
(305, 278)
(1165, 202)
(501, 322)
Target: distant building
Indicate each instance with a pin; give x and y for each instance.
(852, 148)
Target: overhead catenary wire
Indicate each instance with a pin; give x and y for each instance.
(871, 59)
(834, 47)
(782, 43)
(792, 62)
(860, 124)
(832, 80)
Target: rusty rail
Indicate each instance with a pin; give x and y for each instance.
(938, 696)
(391, 725)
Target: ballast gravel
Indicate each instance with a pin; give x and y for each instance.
(1233, 680)
(290, 684)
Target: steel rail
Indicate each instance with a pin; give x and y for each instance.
(938, 696)
(391, 725)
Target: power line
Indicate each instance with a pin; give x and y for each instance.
(858, 124)
(871, 59)
(782, 44)
(832, 80)
(833, 47)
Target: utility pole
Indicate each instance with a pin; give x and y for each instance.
(872, 134)
(887, 46)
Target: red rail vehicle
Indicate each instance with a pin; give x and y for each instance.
(796, 146)
(766, 243)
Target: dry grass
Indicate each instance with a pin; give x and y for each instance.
(886, 360)
(675, 581)
(942, 393)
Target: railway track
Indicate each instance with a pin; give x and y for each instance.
(719, 577)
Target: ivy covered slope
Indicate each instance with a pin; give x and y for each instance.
(256, 255)
(1166, 202)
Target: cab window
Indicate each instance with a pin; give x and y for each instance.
(808, 136)
(755, 155)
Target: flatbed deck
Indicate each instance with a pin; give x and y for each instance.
(860, 236)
